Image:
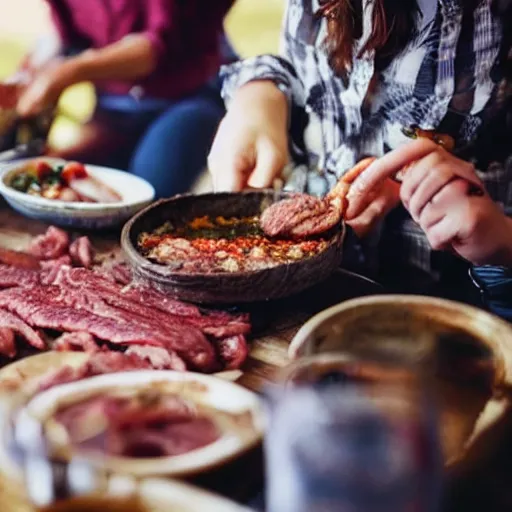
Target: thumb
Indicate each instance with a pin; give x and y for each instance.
(269, 164)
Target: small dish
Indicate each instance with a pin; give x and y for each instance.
(136, 193)
(236, 412)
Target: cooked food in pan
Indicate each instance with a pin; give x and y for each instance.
(209, 245)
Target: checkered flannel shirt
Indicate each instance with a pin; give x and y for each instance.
(449, 79)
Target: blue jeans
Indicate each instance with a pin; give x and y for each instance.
(167, 143)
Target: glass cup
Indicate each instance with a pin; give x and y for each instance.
(52, 483)
(346, 434)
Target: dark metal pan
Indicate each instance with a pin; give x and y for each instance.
(224, 288)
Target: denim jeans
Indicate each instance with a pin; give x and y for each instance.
(167, 143)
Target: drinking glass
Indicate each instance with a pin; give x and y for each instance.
(348, 435)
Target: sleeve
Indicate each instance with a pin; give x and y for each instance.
(492, 156)
(279, 69)
(167, 21)
(495, 286)
(162, 28)
(62, 22)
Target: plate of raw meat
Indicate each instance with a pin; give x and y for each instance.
(212, 248)
(142, 423)
(59, 295)
(72, 194)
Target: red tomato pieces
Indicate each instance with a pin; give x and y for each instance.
(43, 170)
(73, 171)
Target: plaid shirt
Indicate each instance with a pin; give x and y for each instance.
(447, 79)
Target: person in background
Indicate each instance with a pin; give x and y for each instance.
(154, 64)
(358, 78)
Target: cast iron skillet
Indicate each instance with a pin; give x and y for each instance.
(224, 288)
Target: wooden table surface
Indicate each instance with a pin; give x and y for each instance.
(485, 486)
(274, 325)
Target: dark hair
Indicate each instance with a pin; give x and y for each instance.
(393, 25)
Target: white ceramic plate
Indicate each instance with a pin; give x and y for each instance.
(136, 193)
(245, 432)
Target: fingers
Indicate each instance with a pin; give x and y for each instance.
(442, 234)
(365, 222)
(357, 204)
(388, 165)
(426, 191)
(269, 165)
(443, 203)
(231, 159)
(230, 171)
(31, 101)
(351, 175)
(241, 159)
(355, 210)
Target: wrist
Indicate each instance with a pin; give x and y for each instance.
(261, 93)
(262, 99)
(72, 72)
(80, 66)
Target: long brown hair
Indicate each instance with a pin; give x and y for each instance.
(393, 25)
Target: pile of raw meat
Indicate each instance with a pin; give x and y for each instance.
(137, 427)
(55, 297)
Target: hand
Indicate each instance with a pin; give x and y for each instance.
(46, 87)
(437, 190)
(374, 206)
(251, 145)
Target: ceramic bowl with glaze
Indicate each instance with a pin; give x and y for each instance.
(136, 194)
(235, 411)
(226, 288)
(466, 351)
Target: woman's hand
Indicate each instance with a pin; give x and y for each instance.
(251, 145)
(438, 191)
(373, 207)
(46, 86)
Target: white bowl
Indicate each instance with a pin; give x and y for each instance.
(217, 394)
(136, 193)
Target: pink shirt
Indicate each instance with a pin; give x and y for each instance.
(185, 35)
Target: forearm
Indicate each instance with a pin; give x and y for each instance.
(261, 99)
(131, 58)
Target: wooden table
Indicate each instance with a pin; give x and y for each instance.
(274, 326)
(485, 485)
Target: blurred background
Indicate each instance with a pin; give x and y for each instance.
(253, 26)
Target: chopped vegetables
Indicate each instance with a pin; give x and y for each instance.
(73, 171)
(68, 182)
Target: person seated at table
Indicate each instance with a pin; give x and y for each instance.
(155, 65)
(357, 78)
